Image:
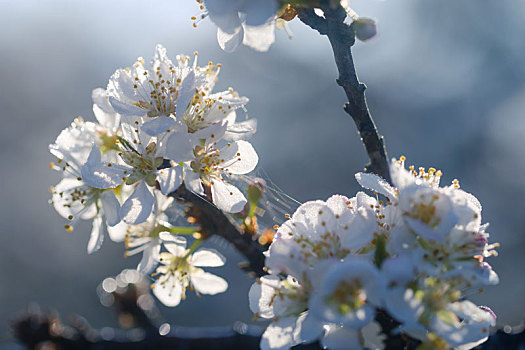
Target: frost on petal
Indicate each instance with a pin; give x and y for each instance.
(137, 207)
(97, 235)
(230, 41)
(157, 125)
(259, 38)
(207, 257)
(279, 334)
(169, 179)
(227, 197)
(239, 157)
(111, 207)
(168, 290)
(376, 183)
(337, 337)
(207, 283)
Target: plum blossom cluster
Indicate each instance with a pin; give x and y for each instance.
(253, 22)
(414, 255)
(159, 126)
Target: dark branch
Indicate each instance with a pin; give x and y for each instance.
(215, 222)
(342, 37)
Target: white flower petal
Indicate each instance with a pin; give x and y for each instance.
(176, 245)
(261, 297)
(157, 125)
(239, 157)
(137, 207)
(103, 111)
(111, 207)
(258, 12)
(308, 329)
(102, 175)
(279, 334)
(193, 182)
(341, 338)
(179, 147)
(168, 290)
(126, 109)
(376, 183)
(207, 257)
(227, 197)
(186, 93)
(150, 257)
(259, 38)
(169, 179)
(97, 235)
(230, 41)
(118, 232)
(207, 283)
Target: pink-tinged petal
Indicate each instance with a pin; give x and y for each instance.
(168, 290)
(111, 207)
(207, 283)
(227, 197)
(207, 257)
(169, 179)
(240, 157)
(138, 206)
(376, 183)
(97, 235)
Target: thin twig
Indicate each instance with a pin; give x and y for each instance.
(342, 37)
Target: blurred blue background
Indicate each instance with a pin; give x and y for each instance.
(446, 86)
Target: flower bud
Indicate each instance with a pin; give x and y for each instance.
(364, 28)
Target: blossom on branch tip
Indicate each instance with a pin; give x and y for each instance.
(251, 22)
(180, 269)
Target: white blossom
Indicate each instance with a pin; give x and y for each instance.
(73, 198)
(207, 164)
(180, 269)
(251, 22)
